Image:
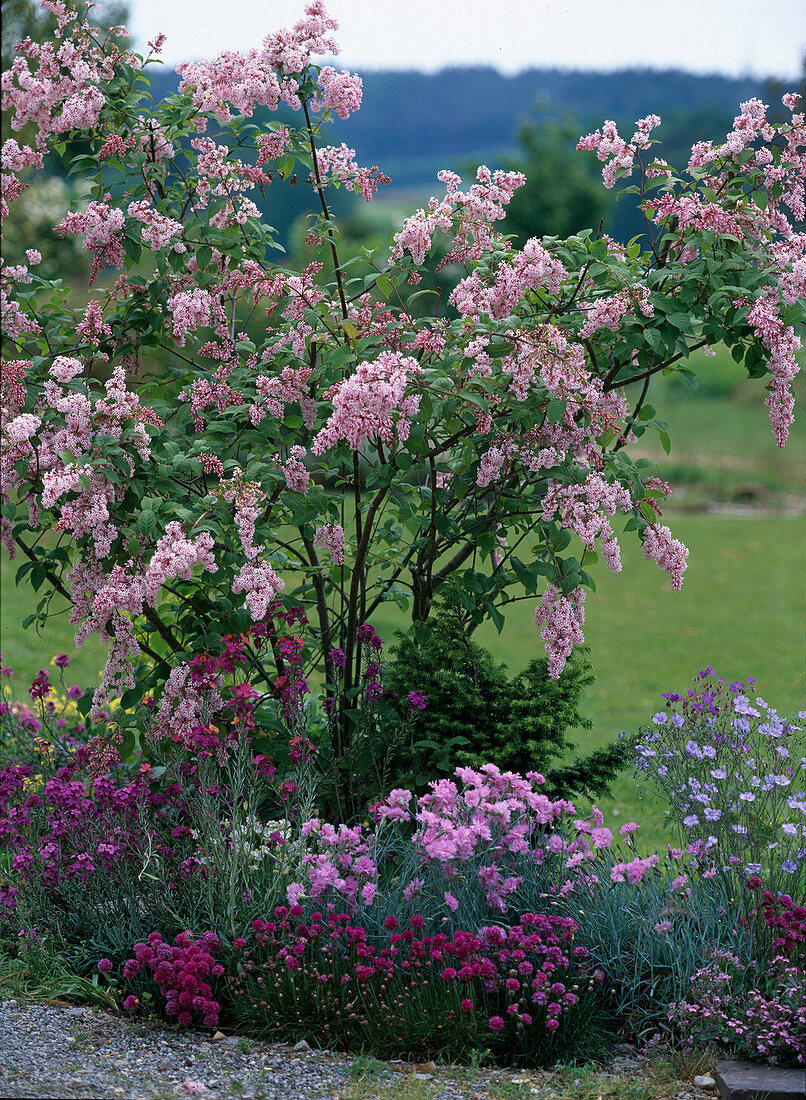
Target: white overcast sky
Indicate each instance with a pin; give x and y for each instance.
(736, 37)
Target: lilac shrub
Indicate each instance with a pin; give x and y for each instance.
(731, 770)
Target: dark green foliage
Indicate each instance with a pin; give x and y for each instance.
(476, 714)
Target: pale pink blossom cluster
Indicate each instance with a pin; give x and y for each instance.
(371, 403)
(247, 498)
(108, 604)
(338, 162)
(668, 552)
(341, 92)
(782, 342)
(21, 429)
(607, 312)
(72, 432)
(102, 227)
(619, 154)
(214, 392)
(277, 391)
(64, 368)
(176, 555)
(260, 583)
(690, 212)
(560, 366)
(186, 703)
(792, 282)
(266, 77)
(296, 474)
(493, 461)
(191, 309)
(532, 268)
(218, 175)
(92, 327)
(562, 618)
(272, 146)
(242, 81)
(331, 537)
(291, 50)
(464, 216)
(159, 232)
(58, 86)
(14, 319)
(584, 509)
(14, 158)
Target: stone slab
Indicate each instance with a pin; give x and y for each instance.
(756, 1081)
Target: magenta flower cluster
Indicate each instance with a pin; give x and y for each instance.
(785, 919)
(180, 970)
(495, 979)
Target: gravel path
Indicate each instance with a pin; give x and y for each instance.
(58, 1051)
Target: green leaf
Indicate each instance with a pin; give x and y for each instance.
(555, 410)
(132, 248)
(499, 350)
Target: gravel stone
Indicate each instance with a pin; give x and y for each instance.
(53, 1050)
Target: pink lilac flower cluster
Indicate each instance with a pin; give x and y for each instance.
(465, 217)
(371, 403)
(247, 499)
(762, 1012)
(774, 237)
(338, 163)
(102, 227)
(180, 970)
(331, 537)
(266, 77)
(584, 509)
(531, 268)
(764, 316)
(562, 618)
(670, 554)
(608, 312)
(619, 154)
(14, 159)
(58, 86)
